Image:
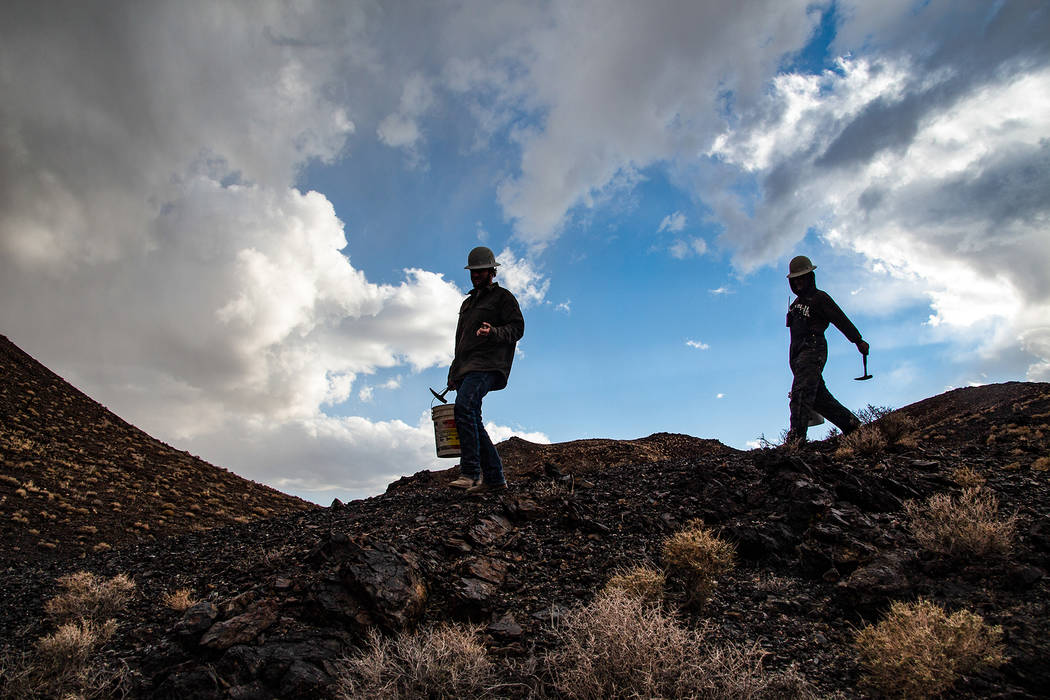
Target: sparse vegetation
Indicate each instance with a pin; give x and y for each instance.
(969, 525)
(180, 600)
(867, 440)
(89, 597)
(642, 582)
(872, 413)
(699, 557)
(967, 477)
(446, 661)
(897, 428)
(918, 650)
(66, 663)
(619, 647)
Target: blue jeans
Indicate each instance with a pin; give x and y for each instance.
(478, 456)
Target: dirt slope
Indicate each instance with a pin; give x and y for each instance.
(75, 478)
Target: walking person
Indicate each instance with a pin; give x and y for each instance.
(808, 317)
(490, 326)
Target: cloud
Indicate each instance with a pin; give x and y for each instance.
(402, 129)
(499, 433)
(672, 222)
(682, 249)
(565, 306)
(721, 291)
(519, 275)
(159, 253)
(697, 344)
(720, 396)
(624, 106)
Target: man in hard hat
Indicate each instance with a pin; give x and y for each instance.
(490, 325)
(808, 317)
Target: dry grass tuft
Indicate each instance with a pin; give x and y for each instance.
(897, 428)
(446, 661)
(619, 647)
(74, 642)
(699, 557)
(642, 582)
(181, 600)
(89, 597)
(67, 662)
(967, 477)
(1042, 464)
(867, 440)
(965, 526)
(918, 650)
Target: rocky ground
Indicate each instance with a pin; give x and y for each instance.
(822, 548)
(76, 479)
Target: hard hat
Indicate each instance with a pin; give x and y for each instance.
(481, 258)
(799, 266)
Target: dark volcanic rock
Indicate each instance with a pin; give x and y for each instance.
(242, 629)
(822, 547)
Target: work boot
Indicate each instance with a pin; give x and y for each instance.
(465, 482)
(488, 488)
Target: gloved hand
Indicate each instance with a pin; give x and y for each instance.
(863, 347)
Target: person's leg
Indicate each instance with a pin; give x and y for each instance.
(467, 413)
(491, 464)
(829, 407)
(806, 368)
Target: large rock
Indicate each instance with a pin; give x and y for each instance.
(242, 629)
(872, 587)
(374, 583)
(196, 620)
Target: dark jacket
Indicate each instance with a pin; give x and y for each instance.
(809, 315)
(494, 353)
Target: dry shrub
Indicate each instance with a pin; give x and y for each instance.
(964, 526)
(643, 582)
(180, 601)
(967, 477)
(896, 428)
(866, 440)
(699, 557)
(1042, 464)
(918, 650)
(445, 661)
(872, 413)
(89, 597)
(74, 642)
(620, 647)
(66, 664)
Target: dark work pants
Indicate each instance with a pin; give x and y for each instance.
(478, 456)
(809, 393)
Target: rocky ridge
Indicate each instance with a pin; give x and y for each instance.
(822, 548)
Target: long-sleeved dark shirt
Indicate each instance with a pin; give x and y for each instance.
(494, 353)
(809, 316)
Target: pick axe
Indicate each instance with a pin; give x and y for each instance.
(441, 397)
(859, 379)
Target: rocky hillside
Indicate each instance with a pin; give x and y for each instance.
(822, 539)
(76, 479)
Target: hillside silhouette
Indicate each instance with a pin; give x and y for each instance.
(75, 478)
(821, 538)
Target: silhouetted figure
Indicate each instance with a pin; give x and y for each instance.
(808, 317)
(490, 325)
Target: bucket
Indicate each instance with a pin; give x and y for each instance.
(446, 437)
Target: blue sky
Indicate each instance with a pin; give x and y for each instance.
(243, 229)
